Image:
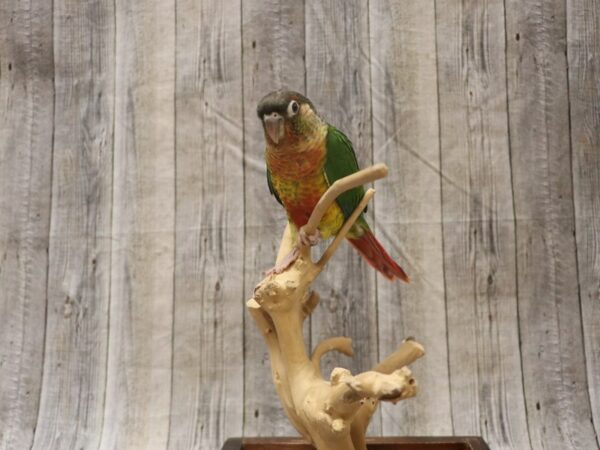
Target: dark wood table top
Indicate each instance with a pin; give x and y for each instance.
(374, 443)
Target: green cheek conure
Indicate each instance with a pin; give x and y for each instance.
(304, 156)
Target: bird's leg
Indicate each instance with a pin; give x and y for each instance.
(285, 262)
(309, 240)
(304, 239)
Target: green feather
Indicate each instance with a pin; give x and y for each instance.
(272, 188)
(340, 162)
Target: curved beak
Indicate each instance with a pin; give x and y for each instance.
(274, 126)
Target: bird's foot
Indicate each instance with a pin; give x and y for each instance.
(309, 240)
(285, 262)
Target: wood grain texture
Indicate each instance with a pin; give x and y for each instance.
(479, 243)
(135, 217)
(408, 205)
(337, 79)
(549, 316)
(271, 60)
(373, 443)
(209, 298)
(138, 391)
(79, 273)
(583, 50)
(26, 127)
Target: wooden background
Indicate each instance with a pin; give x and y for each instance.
(135, 218)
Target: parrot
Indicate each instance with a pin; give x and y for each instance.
(304, 156)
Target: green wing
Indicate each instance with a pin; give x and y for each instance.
(272, 188)
(340, 162)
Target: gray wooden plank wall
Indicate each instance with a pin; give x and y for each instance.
(135, 218)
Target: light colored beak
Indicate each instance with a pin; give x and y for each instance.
(274, 126)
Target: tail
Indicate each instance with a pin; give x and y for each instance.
(376, 256)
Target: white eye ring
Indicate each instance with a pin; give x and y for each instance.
(293, 108)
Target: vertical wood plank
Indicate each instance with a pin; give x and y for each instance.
(79, 275)
(208, 329)
(140, 339)
(552, 349)
(26, 117)
(583, 49)
(479, 242)
(408, 205)
(273, 57)
(337, 81)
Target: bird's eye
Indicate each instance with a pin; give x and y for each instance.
(293, 108)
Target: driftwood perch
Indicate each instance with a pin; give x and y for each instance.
(332, 414)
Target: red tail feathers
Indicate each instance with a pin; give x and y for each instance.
(376, 256)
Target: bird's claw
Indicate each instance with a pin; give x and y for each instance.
(309, 240)
(285, 262)
(304, 239)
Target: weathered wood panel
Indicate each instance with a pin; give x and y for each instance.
(549, 312)
(408, 205)
(479, 240)
(583, 49)
(337, 79)
(26, 122)
(79, 273)
(208, 370)
(138, 391)
(133, 127)
(271, 60)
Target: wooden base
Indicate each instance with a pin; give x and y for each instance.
(385, 443)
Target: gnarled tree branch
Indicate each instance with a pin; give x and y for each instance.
(334, 414)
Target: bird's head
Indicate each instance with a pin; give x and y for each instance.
(287, 117)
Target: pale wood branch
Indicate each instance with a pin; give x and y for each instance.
(340, 344)
(340, 186)
(267, 330)
(372, 385)
(287, 243)
(310, 303)
(332, 415)
(328, 253)
(406, 354)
